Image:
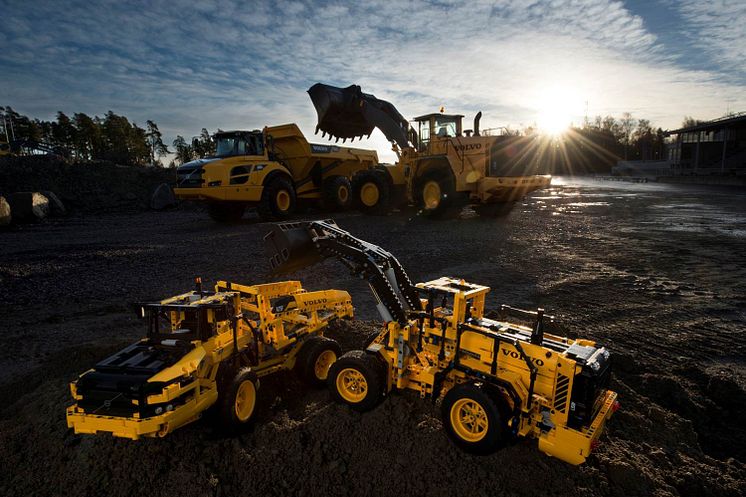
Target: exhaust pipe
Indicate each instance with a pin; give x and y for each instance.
(476, 123)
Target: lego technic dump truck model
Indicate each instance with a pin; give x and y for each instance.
(499, 379)
(204, 349)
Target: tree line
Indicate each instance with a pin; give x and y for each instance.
(594, 146)
(599, 142)
(82, 137)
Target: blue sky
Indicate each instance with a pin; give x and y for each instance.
(247, 64)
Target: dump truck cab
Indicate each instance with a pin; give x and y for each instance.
(239, 143)
(236, 173)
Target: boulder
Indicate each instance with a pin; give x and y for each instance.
(4, 212)
(56, 207)
(163, 197)
(28, 207)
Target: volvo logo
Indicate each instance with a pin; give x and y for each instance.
(516, 355)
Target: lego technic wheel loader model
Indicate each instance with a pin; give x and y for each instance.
(441, 166)
(499, 379)
(208, 349)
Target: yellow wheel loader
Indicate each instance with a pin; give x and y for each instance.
(501, 374)
(441, 166)
(208, 349)
(273, 170)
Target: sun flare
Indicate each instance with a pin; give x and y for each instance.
(556, 110)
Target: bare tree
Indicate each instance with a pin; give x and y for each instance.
(627, 126)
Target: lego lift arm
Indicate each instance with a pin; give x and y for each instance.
(294, 246)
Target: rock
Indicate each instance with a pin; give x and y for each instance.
(163, 197)
(4, 212)
(56, 207)
(28, 207)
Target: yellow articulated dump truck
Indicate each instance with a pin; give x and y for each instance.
(273, 170)
(206, 349)
(441, 166)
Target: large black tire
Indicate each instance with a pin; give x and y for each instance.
(237, 401)
(357, 379)
(435, 193)
(337, 191)
(372, 192)
(472, 419)
(499, 209)
(316, 357)
(278, 201)
(226, 212)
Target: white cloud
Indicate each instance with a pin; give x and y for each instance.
(720, 29)
(247, 64)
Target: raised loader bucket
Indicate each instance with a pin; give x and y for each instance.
(290, 247)
(350, 113)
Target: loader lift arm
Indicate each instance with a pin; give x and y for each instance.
(294, 246)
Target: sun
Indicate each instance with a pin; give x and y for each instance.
(557, 106)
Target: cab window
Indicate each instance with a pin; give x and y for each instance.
(445, 127)
(226, 146)
(424, 135)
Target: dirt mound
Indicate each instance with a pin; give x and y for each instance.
(632, 266)
(83, 186)
(302, 444)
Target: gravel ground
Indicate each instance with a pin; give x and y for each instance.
(655, 272)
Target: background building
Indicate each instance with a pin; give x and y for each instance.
(712, 147)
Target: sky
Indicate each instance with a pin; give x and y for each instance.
(244, 65)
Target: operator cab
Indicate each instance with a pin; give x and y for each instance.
(233, 143)
(437, 125)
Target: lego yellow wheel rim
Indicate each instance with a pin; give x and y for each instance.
(469, 420)
(323, 363)
(245, 400)
(431, 194)
(283, 200)
(351, 385)
(369, 194)
(343, 193)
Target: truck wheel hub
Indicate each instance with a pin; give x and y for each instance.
(351, 385)
(469, 420)
(323, 363)
(245, 400)
(431, 194)
(283, 200)
(369, 194)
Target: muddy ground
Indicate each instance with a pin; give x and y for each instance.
(655, 272)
